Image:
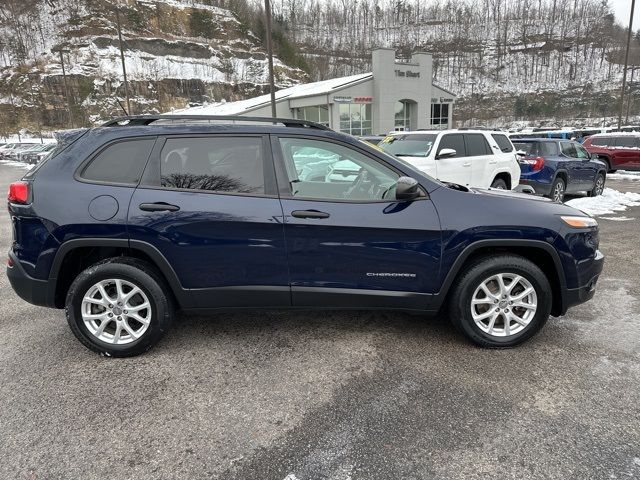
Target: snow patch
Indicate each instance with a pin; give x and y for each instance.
(624, 175)
(610, 201)
(619, 219)
(17, 164)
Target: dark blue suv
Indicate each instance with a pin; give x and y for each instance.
(555, 167)
(126, 223)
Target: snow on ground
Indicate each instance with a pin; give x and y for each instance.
(610, 201)
(17, 164)
(624, 175)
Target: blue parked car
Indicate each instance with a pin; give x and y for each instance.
(126, 223)
(555, 167)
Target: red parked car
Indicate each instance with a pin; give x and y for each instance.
(617, 150)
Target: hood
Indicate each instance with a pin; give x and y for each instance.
(509, 194)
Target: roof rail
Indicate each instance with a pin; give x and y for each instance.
(137, 120)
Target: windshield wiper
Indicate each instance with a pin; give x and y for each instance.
(408, 155)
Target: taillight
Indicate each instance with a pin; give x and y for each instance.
(18, 192)
(536, 163)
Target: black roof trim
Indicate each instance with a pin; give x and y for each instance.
(138, 120)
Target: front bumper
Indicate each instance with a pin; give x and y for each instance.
(575, 296)
(35, 291)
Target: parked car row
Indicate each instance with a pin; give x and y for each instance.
(489, 159)
(30, 153)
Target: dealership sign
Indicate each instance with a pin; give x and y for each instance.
(408, 73)
(344, 99)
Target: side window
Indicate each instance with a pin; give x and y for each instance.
(217, 164)
(599, 142)
(548, 149)
(454, 141)
(327, 171)
(121, 162)
(581, 152)
(476, 145)
(626, 142)
(568, 149)
(503, 142)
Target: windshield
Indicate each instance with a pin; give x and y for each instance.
(416, 145)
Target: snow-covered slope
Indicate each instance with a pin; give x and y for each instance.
(177, 53)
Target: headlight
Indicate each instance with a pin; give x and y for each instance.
(579, 222)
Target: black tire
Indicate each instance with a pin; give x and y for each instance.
(138, 273)
(558, 189)
(459, 306)
(499, 183)
(598, 186)
(607, 162)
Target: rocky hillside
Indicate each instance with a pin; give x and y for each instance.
(506, 59)
(177, 52)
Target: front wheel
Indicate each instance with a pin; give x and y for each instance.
(119, 308)
(500, 301)
(598, 186)
(557, 190)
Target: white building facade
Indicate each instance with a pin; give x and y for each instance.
(395, 96)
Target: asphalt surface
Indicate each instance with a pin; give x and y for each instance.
(330, 395)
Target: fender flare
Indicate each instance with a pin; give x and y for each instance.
(455, 269)
(152, 252)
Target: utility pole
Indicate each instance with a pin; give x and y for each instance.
(626, 64)
(272, 89)
(124, 68)
(66, 87)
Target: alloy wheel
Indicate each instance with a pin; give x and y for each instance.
(558, 192)
(504, 304)
(599, 185)
(116, 311)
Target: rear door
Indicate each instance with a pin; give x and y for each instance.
(456, 168)
(209, 205)
(483, 161)
(626, 153)
(349, 242)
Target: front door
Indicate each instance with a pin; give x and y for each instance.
(455, 168)
(209, 205)
(349, 242)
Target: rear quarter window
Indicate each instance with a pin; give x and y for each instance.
(122, 162)
(503, 142)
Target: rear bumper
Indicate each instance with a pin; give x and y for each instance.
(575, 296)
(35, 291)
(539, 187)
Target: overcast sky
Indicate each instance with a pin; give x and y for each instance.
(621, 8)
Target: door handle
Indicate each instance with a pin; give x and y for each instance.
(309, 214)
(493, 162)
(159, 207)
(466, 164)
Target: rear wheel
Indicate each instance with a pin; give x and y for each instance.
(598, 186)
(499, 184)
(500, 301)
(557, 190)
(119, 308)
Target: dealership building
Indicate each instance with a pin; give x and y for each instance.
(396, 95)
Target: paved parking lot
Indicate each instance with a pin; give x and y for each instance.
(315, 395)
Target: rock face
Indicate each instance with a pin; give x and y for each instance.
(177, 53)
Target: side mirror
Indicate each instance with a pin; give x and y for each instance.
(446, 153)
(407, 188)
(521, 153)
